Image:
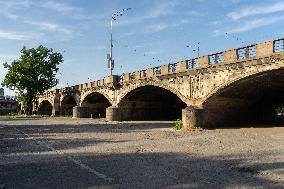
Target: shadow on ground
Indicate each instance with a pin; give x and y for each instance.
(140, 170)
(130, 170)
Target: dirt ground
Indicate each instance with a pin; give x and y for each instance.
(85, 153)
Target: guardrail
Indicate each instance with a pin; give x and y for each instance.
(143, 73)
(132, 75)
(246, 52)
(216, 58)
(157, 70)
(192, 63)
(278, 45)
(172, 67)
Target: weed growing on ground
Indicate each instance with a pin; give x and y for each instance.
(177, 124)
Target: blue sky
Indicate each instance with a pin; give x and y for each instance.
(152, 33)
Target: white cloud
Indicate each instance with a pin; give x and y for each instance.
(216, 22)
(48, 26)
(10, 7)
(8, 56)
(43, 25)
(257, 10)
(164, 8)
(249, 25)
(60, 7)
(152, 52)
(253, 24)
(163, 26)
(16, 36)
(10, 15)
(15, 4)
(99, 47)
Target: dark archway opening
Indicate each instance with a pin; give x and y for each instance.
(45, 108)
(151, 103)
(95, 105)
(67, 105)
(255, 101)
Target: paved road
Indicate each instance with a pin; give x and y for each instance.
(73, 153)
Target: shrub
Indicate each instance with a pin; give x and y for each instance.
(178, 124)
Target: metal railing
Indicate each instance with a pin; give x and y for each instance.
(101, 82)
(216, 58)
(143, 73)
(132, 75)
(157, 70)
(192, 63)
(246, 52)
(278, 45)
(172, 67)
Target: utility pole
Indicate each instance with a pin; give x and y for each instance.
(110, 59)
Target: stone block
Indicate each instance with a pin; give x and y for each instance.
(182, 66)
(113, 114)
(80, 112)
(149, 72)
(165, 69)
(126, 77)
(230, 56)
(264, 49)
(191, 118)
(112, 80)
(137, 75)
(203, 61)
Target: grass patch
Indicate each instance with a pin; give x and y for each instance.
(15, 115)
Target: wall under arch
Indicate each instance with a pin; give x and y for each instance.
(67, 104)
(249, 101)
(94, 105)
(155, 83)
(150, 103)
(45, 108)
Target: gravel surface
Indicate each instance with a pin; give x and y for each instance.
(85, 153)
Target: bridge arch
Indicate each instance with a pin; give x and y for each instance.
(95, 104)
(83, 97)
(45, 107)
(154, 84)
(67, 104)
(151, 102)
(249, 99)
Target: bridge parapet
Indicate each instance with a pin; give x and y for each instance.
(250, 52)
(245, 53)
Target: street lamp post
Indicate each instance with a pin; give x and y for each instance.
(110, 55)
(197, 49)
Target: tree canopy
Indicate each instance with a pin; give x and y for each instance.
(33, 73)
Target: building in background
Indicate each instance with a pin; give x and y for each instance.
(8, 104)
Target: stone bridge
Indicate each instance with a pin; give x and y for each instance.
(238, 86)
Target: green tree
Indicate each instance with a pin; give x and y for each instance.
(33, 73)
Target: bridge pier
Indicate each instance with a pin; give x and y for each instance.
(80, 112)
(113, 114)
(55, 112)
(191, 117)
